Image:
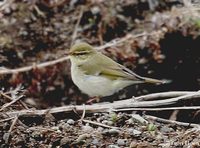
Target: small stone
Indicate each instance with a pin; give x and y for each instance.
(104, 122)
(121, 142)
(95, 10)
(100, 129)
(83, 137)
(95, 141)
(107, 122)
(70, 122)
(65, 141)
(87, 129)
(6, 137)
(110, 123)
(130, 121)
(113, 146)
(142, 61)
(134, 132)
(114, 131)
(65, 127)
(165, 129)
(139, 119)
(30, 101)
(133, 144)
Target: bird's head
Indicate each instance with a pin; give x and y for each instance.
(80, 52)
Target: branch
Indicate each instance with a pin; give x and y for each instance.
(28, 68)
(99, 124)
(10, 103)
(163, 95)
(106, 107)
(10, 99)
(172, 121)
(74, 35)
(65, 58)
(121, 40)
(159, 109)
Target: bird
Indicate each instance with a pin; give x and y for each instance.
(97, 75)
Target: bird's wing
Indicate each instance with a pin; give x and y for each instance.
(119, 71)
(106, 67)
(113, 70)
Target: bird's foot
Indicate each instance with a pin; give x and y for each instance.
(93, 100)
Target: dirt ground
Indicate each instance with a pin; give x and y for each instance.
(158, 39)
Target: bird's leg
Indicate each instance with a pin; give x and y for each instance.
(92, 100)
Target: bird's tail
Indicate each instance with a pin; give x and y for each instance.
(154, 81)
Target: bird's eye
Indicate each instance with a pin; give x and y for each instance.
(82, 56)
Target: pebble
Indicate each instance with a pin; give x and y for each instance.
(65, 126)
(100, 129)
(6, 137)
(139, 119)
(87, 129)
(134, 132)
(95, 10)
(165, 129)
(113, 146)
(65, 141)
(133, 144)
(83, 137)
(107, 122)
(114, 131)
(121, 142)
(70, 122)
(95, 141)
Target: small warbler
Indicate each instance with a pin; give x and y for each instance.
(98, 75)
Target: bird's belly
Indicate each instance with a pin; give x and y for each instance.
(93, 85)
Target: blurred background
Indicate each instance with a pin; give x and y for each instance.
(36, 31)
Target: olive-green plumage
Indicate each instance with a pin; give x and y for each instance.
(98, 75)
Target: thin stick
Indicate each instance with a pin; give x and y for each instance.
(7, 119)
(28, 68)
(74, 35)
(99, 107)
(13, 124)
(163, 95)
(121, 40)
(159, 109)
(83, 114)
(65, 58)
(7, 138)
(172, 121)
(99, 124)
(10, 103)
(20, 101)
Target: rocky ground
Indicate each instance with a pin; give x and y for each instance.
(158, 39)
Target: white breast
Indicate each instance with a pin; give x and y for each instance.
(95, 85)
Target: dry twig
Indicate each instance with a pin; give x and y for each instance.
(159, 109)
(10, 99)
(121, 40)
(28, 68)
(172, 121)
(99, 107)
(163, 95)
(7, 119)
(99, 124)
(74, 35)
(65, 58)
(10, 103)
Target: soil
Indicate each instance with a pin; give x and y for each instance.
(34, 32)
